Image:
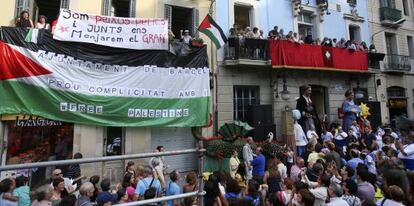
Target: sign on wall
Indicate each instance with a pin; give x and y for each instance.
(132, 33)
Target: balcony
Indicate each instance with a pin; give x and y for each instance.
(319, 2)
(397, 63)
(374, 60)
(389, 15)
(285, 54)
(247, 52)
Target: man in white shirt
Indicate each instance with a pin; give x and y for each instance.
(340, 138)
(406, 152)
(248, 157)
(335, 193)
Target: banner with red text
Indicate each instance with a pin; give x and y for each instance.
(131, 33)
(286, 54)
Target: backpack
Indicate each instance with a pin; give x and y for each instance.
(150, 192)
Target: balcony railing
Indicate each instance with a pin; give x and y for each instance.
(397, 63)
(389, 14)
(252, 49)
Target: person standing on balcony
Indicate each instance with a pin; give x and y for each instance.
(185, 37)
(24, 20)
(42, 24)
(307, 109)
(256, 34)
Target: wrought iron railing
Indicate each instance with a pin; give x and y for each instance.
(390, 14)
(246, 48)
(397, 63)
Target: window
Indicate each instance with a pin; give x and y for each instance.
(361, 95)
(48, 8)
(352, 2)
(406, 8)
(181, 18)
(396, 92)
(21, 5)
(391, 43)
(410, 46)
(388, 3)
(119, 8)
(114, 141)
(305, 24)
(354, 32)
(243, 97)
(242, 16)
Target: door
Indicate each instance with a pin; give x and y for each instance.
(114, 144)
(175, 139)
(319, 99)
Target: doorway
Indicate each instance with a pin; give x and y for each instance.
(397, 102)
(181, 19)
(242, 16)
(48, 8)
(114, 144)
(319, 98)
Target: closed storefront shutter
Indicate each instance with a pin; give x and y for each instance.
(175, 139)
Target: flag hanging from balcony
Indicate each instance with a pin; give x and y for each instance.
(210, 28)
(98, 85)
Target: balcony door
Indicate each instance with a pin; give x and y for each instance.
(242, 16)
(392, 51)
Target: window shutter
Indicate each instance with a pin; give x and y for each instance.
(168, 14)
(64, 4)
(106, 7)
(21, 6)
(195, 22)
(132, 10)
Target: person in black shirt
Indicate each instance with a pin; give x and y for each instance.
(74, 171)
(369, 140)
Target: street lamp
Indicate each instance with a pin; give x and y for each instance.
(394, 24)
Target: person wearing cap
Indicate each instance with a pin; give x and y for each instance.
(185, 37)
(248, 157)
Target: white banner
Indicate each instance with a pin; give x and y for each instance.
(130, 33)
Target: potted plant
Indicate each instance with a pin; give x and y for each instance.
(197, 42)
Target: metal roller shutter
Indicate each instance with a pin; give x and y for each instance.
(176, 139)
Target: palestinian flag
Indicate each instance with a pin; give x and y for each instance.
(32, 36)
(210, 28)
(97, 85)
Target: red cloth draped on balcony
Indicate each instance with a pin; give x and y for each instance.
(286, 54)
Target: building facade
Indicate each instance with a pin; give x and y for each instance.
(97, 141)
(243, 80)
(392, 29)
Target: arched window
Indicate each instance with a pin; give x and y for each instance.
(396, 92)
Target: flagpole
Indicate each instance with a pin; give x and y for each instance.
(214, 73)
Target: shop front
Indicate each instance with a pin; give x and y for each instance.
(29, 139)
(397, 102)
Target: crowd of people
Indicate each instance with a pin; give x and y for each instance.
(279, 34)
(68, 187)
